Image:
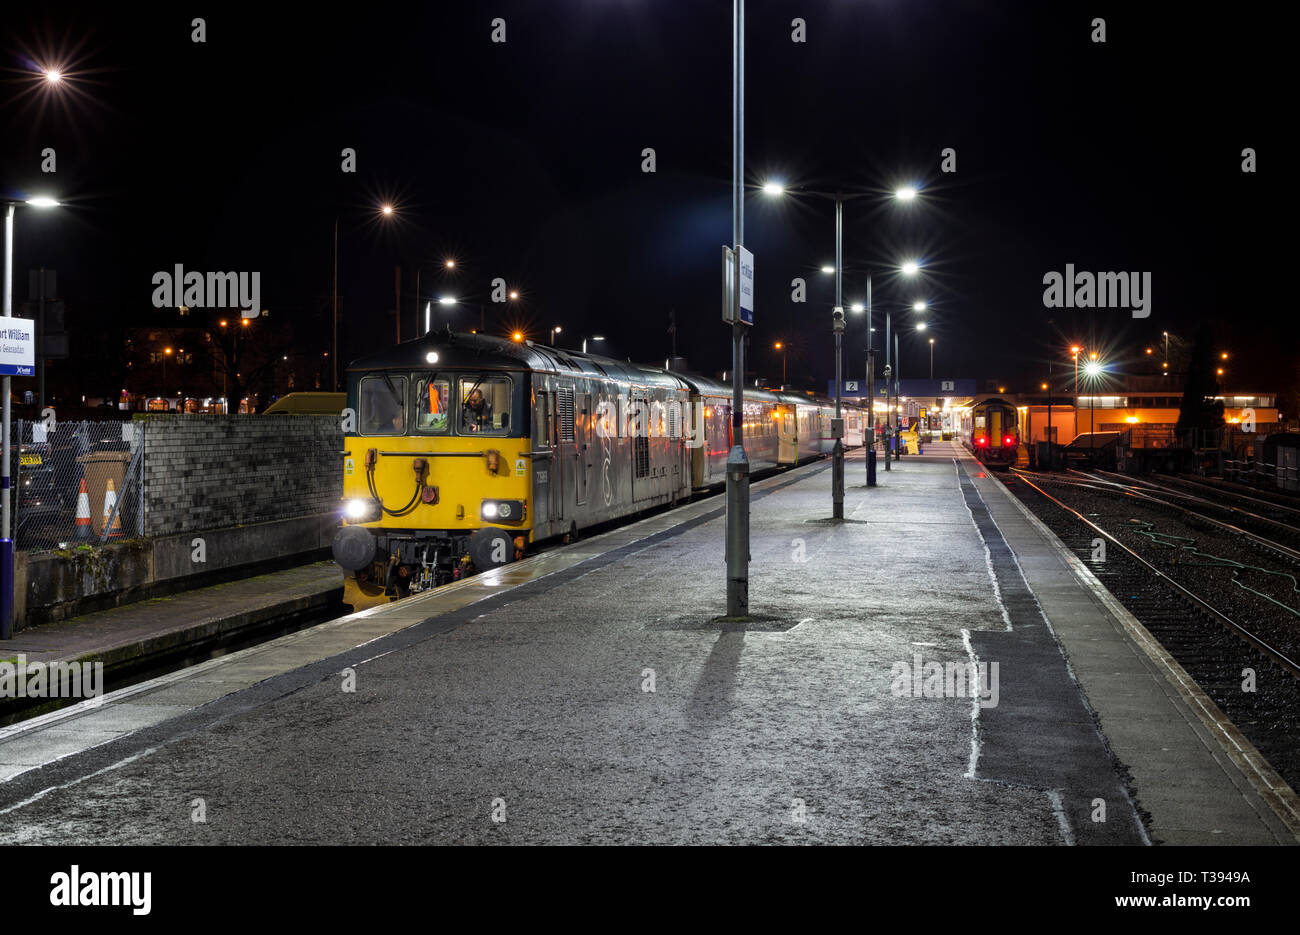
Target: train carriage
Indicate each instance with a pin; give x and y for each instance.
(990, 430)
(461, 450)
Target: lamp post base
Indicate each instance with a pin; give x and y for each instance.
(737, 532)
(837, 480)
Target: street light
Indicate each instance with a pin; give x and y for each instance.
(446, 264)
(593, 338)
(6, 517)
(919, 306)
(837, 328)
(554, 331)
(932, 368)
(781, 347)
(1093, 370)
(386, 211)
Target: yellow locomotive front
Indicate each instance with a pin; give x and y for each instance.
(436, 465)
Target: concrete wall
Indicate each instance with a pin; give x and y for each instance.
(58, 585)
(207, 472)
(262, 492)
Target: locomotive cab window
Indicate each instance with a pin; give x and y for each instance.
(485, 405)
(383, 405)
(432, 406)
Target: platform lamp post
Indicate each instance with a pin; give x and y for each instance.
(593, 338)
(1093, 370)
(1074, 353)
(781, 347)
(907, 193)
(10, 371)
(382, 211)
(446, 264)
(554, 331)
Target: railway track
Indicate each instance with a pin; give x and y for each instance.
(1223, 600)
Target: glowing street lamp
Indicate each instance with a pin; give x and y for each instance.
(6, 516)
(781, 347)
(919, 306)
(907, 193)
(1093, 370)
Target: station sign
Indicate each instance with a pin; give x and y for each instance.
(17, 347)
(746, 286)
(729, 303)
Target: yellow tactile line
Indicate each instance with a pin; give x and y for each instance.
(1266, 782)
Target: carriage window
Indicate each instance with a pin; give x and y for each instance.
(431, 410)
(383, 405)
(484, 405)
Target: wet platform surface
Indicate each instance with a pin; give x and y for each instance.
(590, 695)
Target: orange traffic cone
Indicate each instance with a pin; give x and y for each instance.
(83, 512)
(110, 501)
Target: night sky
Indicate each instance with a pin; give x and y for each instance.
(523, 160)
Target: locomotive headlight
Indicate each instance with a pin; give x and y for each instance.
(502, 511)
(361, 511)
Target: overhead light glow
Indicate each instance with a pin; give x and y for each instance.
(773, 188)
(431, 357)
(446, 300)
(828, 269)
(857, 307)
(43, 201)
(921, 326)
(910, 268)
(906, 193)
(919, 306)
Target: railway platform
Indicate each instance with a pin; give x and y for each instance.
(934, 668)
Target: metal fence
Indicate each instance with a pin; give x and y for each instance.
(77, 482)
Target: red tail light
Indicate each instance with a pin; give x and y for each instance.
(1008, 441)
(981, 441)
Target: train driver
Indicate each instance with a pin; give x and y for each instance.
(476, 414)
